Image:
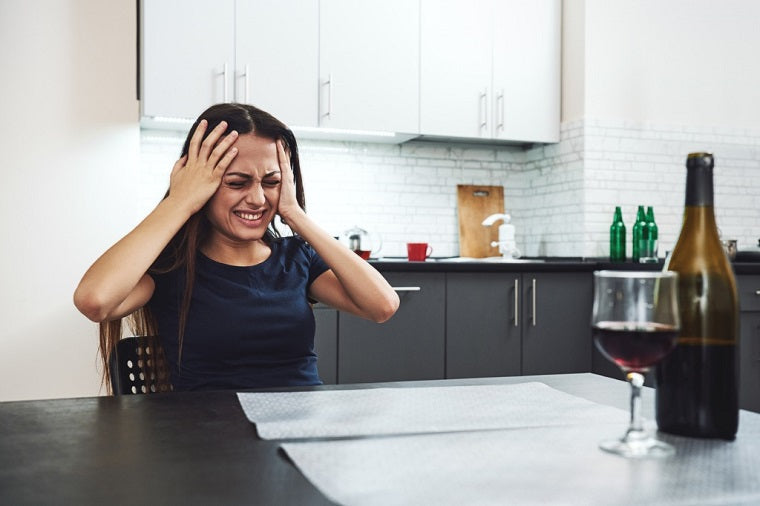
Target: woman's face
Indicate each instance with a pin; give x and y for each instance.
(246, 201)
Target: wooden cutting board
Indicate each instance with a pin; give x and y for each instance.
(474, 204)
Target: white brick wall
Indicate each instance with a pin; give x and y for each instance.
(629, 164)
(561, 196)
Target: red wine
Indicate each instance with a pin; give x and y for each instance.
(634, 347)
(708, 408)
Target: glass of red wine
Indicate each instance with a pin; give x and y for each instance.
(635, 323)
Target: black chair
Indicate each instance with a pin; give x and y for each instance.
(138, 366)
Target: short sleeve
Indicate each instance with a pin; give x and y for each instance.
(317, 266)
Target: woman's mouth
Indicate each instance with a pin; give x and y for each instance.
(249, 216)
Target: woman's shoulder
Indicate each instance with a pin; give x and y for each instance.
(292, 246)
(292, 242)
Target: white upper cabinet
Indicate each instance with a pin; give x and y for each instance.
(369, 65)
(277, 58)
(455, 73)
(188, 56)
(490, 69)
(526, 70)
(442, 68)
(196, 53)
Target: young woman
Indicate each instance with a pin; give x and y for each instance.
(208, 272)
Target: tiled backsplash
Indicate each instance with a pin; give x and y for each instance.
(561, 196)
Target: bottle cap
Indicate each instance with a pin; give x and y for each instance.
(700, 160)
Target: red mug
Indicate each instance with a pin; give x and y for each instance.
(364, 253)
(418, 251)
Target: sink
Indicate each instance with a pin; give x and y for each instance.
(489, 260)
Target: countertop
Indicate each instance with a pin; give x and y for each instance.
(546, 264)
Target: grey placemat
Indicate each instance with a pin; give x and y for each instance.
(386, 411)
(546, 465)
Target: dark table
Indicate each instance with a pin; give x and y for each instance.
(179, 448)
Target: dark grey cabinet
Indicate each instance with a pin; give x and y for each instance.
(409, 346)
(326, 343)
(501, 324)
(749, 342)
(483, 325)
(556, 322)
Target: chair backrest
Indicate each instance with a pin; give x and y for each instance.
(138, 366)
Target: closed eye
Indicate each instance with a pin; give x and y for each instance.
(271, 182)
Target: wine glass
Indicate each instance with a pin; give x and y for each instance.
(635, 323)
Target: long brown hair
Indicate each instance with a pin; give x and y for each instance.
(181, 251)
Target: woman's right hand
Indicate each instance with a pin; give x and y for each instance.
(196, 176)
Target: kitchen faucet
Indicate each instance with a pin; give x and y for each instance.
(506, 243)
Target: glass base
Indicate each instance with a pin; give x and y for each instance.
(638, 447)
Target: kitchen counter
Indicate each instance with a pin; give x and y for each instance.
(548, 264)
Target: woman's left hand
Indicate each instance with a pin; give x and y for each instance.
(288, 205)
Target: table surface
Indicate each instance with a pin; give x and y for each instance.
(188, 448)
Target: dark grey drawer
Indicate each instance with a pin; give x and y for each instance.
(749, 292)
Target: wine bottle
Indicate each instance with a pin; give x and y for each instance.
(697, 384)
(638, 228)
(617, 237)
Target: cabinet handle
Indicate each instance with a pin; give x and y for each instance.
(484, 109)
(500, 110)
(328, 83)
(517, 304)
(406, 288)
(533, 296)
(224, 83)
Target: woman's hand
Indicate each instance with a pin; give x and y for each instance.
(196, 176)
(288, 206)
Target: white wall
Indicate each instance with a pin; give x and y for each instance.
(70, 144)
(684, 62)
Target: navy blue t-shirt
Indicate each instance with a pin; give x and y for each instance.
(247, 327)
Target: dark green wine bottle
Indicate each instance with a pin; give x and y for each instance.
(638, 228)
(617, 237)
(697, 383)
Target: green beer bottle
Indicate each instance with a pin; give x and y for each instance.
(648, 244)
(638, 228)
(617, 237)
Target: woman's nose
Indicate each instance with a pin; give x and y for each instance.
(255, 195)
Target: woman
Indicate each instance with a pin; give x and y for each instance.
(208, 272)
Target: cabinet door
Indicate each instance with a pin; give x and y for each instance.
(277, 58)
(409, 346)
(369, 57)
(526, 70)
(749, 361)
(186, 46)
(482, 325)
(455, 68)
(556, 322)
(326, 343)
(749, 342)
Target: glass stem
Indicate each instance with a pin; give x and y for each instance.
(636, 427)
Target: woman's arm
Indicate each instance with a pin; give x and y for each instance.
(351, 284)
(117, 283)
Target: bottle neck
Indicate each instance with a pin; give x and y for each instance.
(699, 187)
